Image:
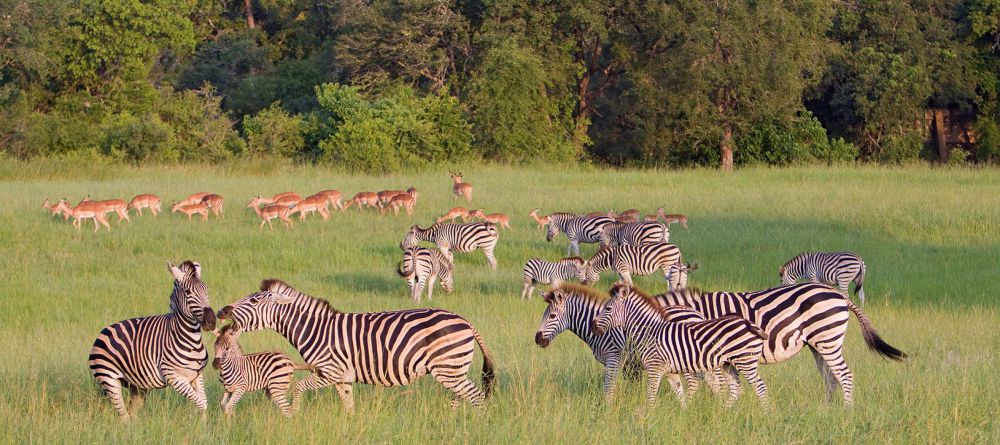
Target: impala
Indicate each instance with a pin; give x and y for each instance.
(111, 205)
(455, 213)
(194, 198)
(151, 202)
(402, 200)
(386, 195)
(314, 203)
(85, 210)
(540, 220)
(270, 212)
(200, 208)
(333, 196)
(460, 189)
(54, 208)
(214, 202)
(363, 199)
(668, 219)
(499, 219)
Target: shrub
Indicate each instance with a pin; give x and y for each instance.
(988, 140)
(138, 138)
(797, 141)
(273, 132)
(202, 130)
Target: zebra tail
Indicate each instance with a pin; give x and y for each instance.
(859, 281)
(489, 374)
(874, 341)
(756, 330)
(402, 271)
(306, 367)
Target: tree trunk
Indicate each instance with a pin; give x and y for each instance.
(583, 106)
(249, 9)
(940, 134)
(726, 147)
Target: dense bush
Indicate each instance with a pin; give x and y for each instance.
(988, 144)
(787, 142)
(274, 132)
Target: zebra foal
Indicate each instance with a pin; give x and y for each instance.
(539, 271)
(837, 269)
(422, 267)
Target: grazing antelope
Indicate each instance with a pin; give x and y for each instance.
(668, 219)
(455, 213)
(540, 220)
(363, 199)
(630, 215)
(85, 210)
(269, 212)
(214, 202)
(460, 189)
(151, 202)
(111, 205)
(200, 208)
(54, 208)
(284, 198)
(386, 195)
(314, 203)
(194, 198)
(500, 219)
(402, 200)
(334, 197)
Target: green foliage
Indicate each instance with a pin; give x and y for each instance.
(514, 119)
(274, 132)
(988, 143)
(782, 143)
(393, 130)
(202, 131)
(139, 138)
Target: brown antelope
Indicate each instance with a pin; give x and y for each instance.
(314, 203)
(194, 198)
(630, 215)
(85, 210)
(284, 198)
(460, 189)
(273, 211)
(333, 196)
(540, 220)
(455, 213)
(402, 200)
(363, 199)
(54, 208)
(200, 208)
(111, 205)
(412, 191)
(668, 219)
(215, 202)
(500, 219)
(151, 202)
(592, 214)
(385, 195)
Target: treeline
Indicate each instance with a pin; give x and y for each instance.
(384, 85)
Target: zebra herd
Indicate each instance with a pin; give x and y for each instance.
(684, 334)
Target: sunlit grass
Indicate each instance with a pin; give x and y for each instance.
(931, 239)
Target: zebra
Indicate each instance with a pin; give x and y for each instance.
(678, 274)
(378, 348)
(461, 237)
(239, 374)
(793, 316)
(666, 347)
(579, 229)
(634, 233)
(537, 271)
(837, 269)
(153, 352)
(421, 267)
(628, 259)
(573, 307)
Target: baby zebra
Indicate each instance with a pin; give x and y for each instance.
(422, 266)
(671, 348)
(239, 374)
(837, 269)
(537, 271)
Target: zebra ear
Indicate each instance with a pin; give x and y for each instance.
(197, 269)
(177, 273)
(550, 296)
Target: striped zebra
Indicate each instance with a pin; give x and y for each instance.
(378, 348)
(240, 374)
(461, 237)
(539, 271)
(628, 259)
(573, 308)
(794, 316)
(157, 351)
(422, 267)
(671, 348)
(837, 269)
(634, 233)
(678, 274)
(579, 229)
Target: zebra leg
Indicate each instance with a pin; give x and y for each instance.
(735, 390)
(430, 287)
(675, 384)
(626, 276)
(278, 392)
(460, 385)
(692, 386)
(418, 290)
(113, 389)
(489, 257)
(835, 361)
(748, 367)
(653, 386)
(828, 378)
(610, 376)
(234, 398)
(313, 381)
(194, 390)
(225, 399)
(136, 398)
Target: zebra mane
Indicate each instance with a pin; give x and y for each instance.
(586, 292)
(281, 287)
(574, 259)
(190, 268)
(649, 300)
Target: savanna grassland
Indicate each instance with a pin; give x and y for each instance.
(930, 237)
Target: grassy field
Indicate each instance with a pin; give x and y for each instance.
(931, 239)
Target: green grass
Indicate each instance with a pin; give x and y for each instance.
(931, 239)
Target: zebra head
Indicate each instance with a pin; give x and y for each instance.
(551, 230)
(554, 319)
(411, 238)
(786, 274)
(226, 345)
(614, 312)
(259, 310)
(590, 271)
(190, 296)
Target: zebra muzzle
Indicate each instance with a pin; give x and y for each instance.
(596, 328)
(208, 319)
(540, 340)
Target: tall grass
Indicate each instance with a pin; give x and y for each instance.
(930, 237)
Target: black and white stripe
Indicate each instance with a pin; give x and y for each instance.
(579, 229)
(794, 316)
(422, 267)
(271, 372)
(837, 269)
(539, 271)
(157, 351)
(634, 233)
(667, 348)
(573, 308)
(627, 260)
(378, 348)
(460, 237)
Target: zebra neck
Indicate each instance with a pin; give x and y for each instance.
(297, 320)
(581, 314)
